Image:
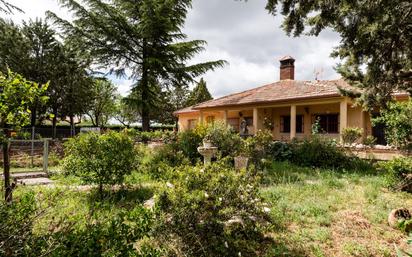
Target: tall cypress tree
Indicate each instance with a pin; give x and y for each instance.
(139, 37)
(199, 94)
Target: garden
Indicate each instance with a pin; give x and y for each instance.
(117, 194)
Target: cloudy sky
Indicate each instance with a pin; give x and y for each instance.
(242, 33)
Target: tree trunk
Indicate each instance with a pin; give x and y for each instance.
(8, 196)
(144, 83)
(33, 116)
(54, 123)
(72, 129)
(97, 121)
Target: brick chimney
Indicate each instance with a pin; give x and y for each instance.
(287, 68)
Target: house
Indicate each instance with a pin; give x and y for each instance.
(287, 107)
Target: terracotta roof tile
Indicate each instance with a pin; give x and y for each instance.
(185, 110)
(279, 91)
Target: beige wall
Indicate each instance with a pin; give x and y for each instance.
(274, 113)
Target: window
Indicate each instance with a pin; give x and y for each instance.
(192, 123)
(285, 124)
(210, 119)
(300, 124)
(234, 123)
(329, 123)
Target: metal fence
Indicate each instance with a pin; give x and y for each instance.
(29, 155)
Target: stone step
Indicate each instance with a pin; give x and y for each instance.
(34, 181)
(26, 175)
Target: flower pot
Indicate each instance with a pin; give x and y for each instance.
(207, 144)
(241, 162)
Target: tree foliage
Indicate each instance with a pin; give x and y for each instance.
(143, 37)
(34, 51)
(397, 119)
(16, 96)
(100, 159)
(199, 94)
(376, 40)
(125, 114)
(103, 105)
(8, 8)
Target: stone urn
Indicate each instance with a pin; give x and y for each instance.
(207, 151)
(207, 143)
(241, 162)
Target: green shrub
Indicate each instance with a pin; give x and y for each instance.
(224, 138)
(318, 152)
(396, 173)
(257, 148)
(280, 151)
(351, 135)
(100, 159)
(145, 136)
(159, 161)
(188, 142)
(212, 211)
(113, 236)
(369, 140)
(397, 119)
(16, 237)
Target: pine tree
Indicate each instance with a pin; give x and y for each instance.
(199, 94)
(375, 34)
(8, 8)
(143, 37)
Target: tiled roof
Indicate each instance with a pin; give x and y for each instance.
(185, 110)
(283, 90)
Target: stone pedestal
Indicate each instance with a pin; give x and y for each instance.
(207, 153)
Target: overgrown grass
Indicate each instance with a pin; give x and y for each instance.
(331, 213)
(316, 212)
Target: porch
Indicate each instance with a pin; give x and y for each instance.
(288, 121)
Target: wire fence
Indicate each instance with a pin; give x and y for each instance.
(28, 155)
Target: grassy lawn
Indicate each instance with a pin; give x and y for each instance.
(327, 213)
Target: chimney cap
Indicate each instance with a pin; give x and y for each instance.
(286, 58)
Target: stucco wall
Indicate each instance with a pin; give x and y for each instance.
(354, 118)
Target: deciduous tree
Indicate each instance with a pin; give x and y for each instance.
(16, 97)
(102, 106)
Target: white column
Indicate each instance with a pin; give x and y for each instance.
(292, 122)
(255, 120)
(363, 124)
(343, 123)
(225, 115)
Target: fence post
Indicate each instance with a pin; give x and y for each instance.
(45, 155)
(32, 146)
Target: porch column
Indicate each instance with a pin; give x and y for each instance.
(255, 120)
(343, 117)
(363, 124)
(225, 115)
(292, 122)
(201, 117)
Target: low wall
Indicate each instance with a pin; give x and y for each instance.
(378, 154)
